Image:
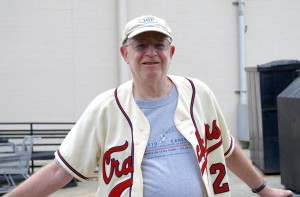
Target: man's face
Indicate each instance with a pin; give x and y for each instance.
(149, 55)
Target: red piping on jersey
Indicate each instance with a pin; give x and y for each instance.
(70, 167)
(131, 127)
(202, 148)
(230, 147)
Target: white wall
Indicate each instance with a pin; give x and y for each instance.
(57, 55)
(273, 31)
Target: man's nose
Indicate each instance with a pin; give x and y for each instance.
(151, 50)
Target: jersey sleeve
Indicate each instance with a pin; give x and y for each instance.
(227, 138)
(80, 150)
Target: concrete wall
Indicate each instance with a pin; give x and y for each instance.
(57, 55)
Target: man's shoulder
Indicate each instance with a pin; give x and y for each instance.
(107, 97)
(101, 99)
(189, 81)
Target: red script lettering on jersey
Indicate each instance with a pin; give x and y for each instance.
(126, 166)
(215, 132)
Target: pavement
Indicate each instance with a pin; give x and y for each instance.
(238, 188)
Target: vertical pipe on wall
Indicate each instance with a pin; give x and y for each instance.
(122, 19)
(243, 96)
(242, 110)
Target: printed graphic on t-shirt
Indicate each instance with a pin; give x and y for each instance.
(169, 143)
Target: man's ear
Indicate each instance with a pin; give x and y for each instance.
(124, 53)
(172, 50)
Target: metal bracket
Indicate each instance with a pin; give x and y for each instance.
(237, 3)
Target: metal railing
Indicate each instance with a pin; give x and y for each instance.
(51, 133)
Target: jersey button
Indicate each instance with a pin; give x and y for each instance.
(141, 128)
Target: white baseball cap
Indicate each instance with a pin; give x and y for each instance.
(143, 24)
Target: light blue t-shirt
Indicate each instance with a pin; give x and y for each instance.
(169, 167)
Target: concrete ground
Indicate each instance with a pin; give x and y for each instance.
(238, 188)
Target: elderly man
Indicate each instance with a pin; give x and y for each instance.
(157, 135)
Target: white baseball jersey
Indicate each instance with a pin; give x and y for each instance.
(113, 133)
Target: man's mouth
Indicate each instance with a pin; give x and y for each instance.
(150, 63)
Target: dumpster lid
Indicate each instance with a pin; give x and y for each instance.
(279, 65)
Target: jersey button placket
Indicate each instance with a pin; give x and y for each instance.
(141, 128)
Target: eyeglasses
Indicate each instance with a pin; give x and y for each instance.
(142, 45)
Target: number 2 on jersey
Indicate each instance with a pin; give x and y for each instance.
(218, 186)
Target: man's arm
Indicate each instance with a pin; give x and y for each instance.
(238, 163)
(44, 182)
